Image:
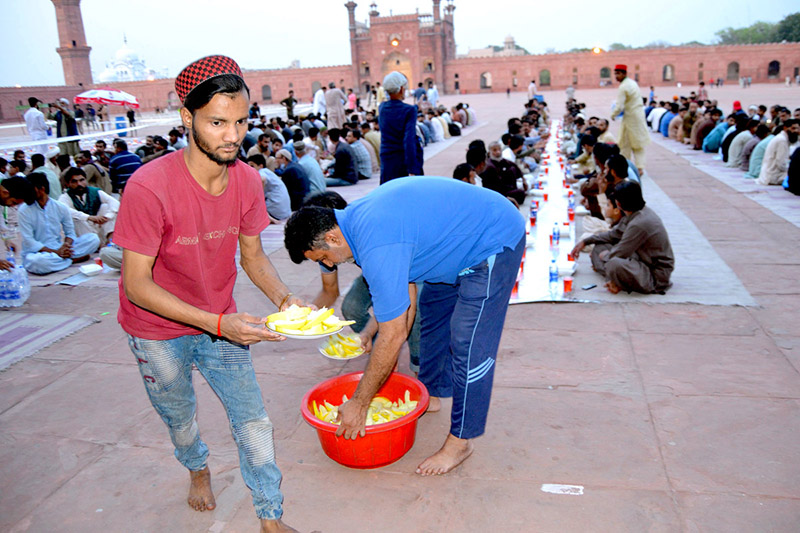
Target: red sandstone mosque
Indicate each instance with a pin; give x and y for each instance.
(422, 46)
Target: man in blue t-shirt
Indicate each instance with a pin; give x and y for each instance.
(465, 243)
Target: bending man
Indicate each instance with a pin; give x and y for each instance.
(465, 243)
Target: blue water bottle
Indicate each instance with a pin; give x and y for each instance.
(556, 235)
(553, 277)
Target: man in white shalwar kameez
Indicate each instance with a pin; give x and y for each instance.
(776, 157)
(633, 135)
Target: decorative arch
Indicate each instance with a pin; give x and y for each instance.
(486, 80)
(544, 78)
(733, 71)
(605, 73)
(774, 69)
(266, 92)
(428, 81)
(399, 62)
(667, 73)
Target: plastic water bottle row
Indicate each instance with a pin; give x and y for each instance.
(14, 285)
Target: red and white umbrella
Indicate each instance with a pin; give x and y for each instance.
(107, 96)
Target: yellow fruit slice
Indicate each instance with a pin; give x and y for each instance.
(321, 316)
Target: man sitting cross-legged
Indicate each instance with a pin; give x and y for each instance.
(92, 210)
(41, 224)
(635, 255)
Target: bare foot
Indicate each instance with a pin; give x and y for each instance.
(201, 497)
(270, 526)
(454, 451)
(612, 287)
(434, 405)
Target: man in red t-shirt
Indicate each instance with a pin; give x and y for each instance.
(179, 224)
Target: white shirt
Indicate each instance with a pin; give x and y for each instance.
(509, 154)
(319, 106)
(37, 127)
(105, 199)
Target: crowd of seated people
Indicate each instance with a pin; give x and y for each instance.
(760, 142)
(628, 243)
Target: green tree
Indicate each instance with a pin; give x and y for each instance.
(760, 32)
(618, 46)
(789, 29)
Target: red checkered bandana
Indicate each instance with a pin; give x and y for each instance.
(202, 70)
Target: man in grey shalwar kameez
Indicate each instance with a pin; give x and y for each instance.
(635, 255)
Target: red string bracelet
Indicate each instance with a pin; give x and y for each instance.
(219, 323)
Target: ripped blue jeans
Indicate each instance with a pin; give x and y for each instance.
(166, 368)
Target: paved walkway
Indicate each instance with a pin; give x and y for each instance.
(673, 417)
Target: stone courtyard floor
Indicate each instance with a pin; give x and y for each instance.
(672, 417)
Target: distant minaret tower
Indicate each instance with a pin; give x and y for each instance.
(72, 43)
(351, 16)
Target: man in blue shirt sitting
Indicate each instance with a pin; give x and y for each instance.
(465, 243)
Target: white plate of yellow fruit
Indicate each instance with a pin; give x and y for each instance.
(305, 323)
(341, 347)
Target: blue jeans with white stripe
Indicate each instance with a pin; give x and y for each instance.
(461, 324)
(166, 369)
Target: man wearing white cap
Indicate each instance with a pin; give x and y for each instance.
(401, 152)
(65, 126)
(37, 127)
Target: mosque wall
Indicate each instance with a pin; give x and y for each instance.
(765, 63)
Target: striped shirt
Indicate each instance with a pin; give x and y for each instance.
(361, 159)
(121, 167)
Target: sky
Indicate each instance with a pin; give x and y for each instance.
(169, 34)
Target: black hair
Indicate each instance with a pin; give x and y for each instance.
(263, 136)
(461, 172)
(515, 141)
(37, 160)
(619, 165)
(175, 132)
(762, 131)
(305, 230)
(119, 143)
(312, 132)
(39, 181)
(478, 143)
(62, 160)
(716, 111)
(161, 141)
(87, 154)
(20, 165)
(329, 199)
(33, 101)
(334, 134)
(752, 123)
(356, 133)
(674, 107)
(476, 156)
(201, 95)
(297, 136)
(258, 159)
(628, 195)
(20, 188)
(588, 140)
(790, 122)
(603, 151)
(3, 162)
(73, 171)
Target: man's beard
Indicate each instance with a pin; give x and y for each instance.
(206, 149)
(80, 191)
(792, 137)
(495, 157)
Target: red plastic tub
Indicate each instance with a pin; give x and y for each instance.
(383, 443)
